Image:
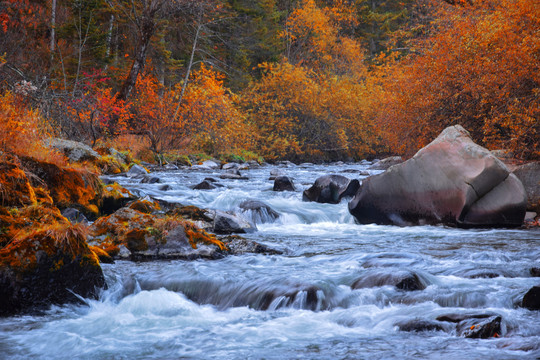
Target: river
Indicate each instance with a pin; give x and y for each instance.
(298, 305)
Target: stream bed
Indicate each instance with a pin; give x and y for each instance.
(300, 304)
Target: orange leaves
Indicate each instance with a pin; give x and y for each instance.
(304, 115)
(479, 68)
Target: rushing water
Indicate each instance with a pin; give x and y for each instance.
(299, 305)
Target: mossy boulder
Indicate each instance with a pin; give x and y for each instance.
(115, 197)
(153, 236)
(68, 187)
(15, 188)
(51, 265)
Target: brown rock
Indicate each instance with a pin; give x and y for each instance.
(451, 181)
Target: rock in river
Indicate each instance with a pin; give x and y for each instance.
(331, 189)
(451, 181)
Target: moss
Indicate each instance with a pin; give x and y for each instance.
(196, 235)
(69, 187)
(15, 188)
(145, 206)
(102, 255)
(59, 242)
(190, 212)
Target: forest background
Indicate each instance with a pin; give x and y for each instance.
(302, 80)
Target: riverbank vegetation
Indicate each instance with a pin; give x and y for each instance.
(274, 79)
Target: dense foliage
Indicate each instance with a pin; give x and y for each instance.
(285, 79)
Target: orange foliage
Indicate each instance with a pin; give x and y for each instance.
(479, 68)
(211, 116)
(303, 115)
(22, 130)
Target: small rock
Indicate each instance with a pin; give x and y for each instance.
(150, 180)
(225, 223)
(164, 187)
(531, 300)
(204, 185)
(136, 170)
(259, 211)
(331, 189)
(480, 328)
(283, 183)
(419, 325)
(535, 272)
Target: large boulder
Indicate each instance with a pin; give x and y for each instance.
(49, 266)
(451, 181)
(331, 189)
(68, 187)
(73, 150)
(529, 174)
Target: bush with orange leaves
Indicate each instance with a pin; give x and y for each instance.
(479, 68)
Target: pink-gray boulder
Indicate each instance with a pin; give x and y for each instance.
(451, 181)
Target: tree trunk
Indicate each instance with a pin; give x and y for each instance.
(146, 31)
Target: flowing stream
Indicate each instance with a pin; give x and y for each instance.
(298, 305)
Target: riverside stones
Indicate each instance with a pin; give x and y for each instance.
(451, 181)
(331, 189)
(283, 183)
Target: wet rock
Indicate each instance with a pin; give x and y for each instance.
(73, 150)
(258, 211)
(419, 325)
(229, 166)
(164, 187)
(385, 163)
(136, 170)
(331, 189)
(283, 183)
(238, 245)
(204, 185)
(46, 267)
(305, 298)
(535, 272)
(74, 215)
(529, 175)
(208, 165)
(233, 175)
(457, 317)
(531, 300)
(225, 223)
(150, 180)
(480, 328)
(451, 181)
(402, 280)
(410, 283)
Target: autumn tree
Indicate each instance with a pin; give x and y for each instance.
(479, 68)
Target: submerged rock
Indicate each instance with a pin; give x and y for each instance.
(238, 245)
(402, 280)
(419, 325)
(331, 189)
(451, 181)
(46, 267)
(258, 211)
(204, 185)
